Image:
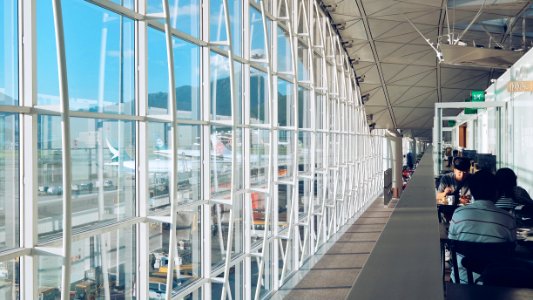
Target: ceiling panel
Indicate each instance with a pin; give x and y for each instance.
(409, 66)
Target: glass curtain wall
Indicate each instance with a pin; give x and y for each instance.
(197, 149)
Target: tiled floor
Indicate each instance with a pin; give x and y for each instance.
(334, 274)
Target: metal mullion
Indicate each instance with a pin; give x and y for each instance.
(142, 183)
(277, 245)
(270, 155)
(173, 145)
(118, 9)
(206, 157)
(308, 236)
(65, 143)
(233, 153)
(176, 33)
(16, 109)
(246, 129)
(322, 227)
(28, 178)
(294, 56)
(14, 254)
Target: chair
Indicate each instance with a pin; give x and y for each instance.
(445, 212)
(510, 272)
(485, 252)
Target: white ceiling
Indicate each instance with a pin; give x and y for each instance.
(401, 71)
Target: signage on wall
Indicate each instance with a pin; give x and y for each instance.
(519, 86)
(475, 96)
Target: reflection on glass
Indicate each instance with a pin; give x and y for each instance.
(259, 155)
(284, 51)
(285, 103)
(103, 172)
(187, 262)
(159, 163)
(9, 279)
(157, 72)
(187, 76)
(221, 157)
(189, 176)
(259, 97)
(8, 54)
(285, 154)
(50, 178)
(235, 281)
(303, 62)
(100, 59)
(47, 78)
(220, 218)
(184, 14)
(9, 181)
(103, 267)
(266, 278)
(220, 87)
(257, 37)
(304, 108)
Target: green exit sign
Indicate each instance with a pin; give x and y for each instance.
(478, 96)
(451, 123)
(475, 96)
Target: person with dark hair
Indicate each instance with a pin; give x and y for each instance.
(481, 221)
(456, 183)
(511, 195)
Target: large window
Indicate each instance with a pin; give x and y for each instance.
(230, 193)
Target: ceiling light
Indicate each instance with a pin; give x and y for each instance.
(365, 98)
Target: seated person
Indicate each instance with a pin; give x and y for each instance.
(481, 221)
(455, 183)
(511, 195)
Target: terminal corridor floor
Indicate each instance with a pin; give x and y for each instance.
(334, 274)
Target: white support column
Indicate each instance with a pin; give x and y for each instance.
(27, 37)
(142, 170)
(65, 144)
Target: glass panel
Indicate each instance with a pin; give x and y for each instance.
(187, 262)
(286, 159)
(9, 181)
(125, 3)
(285, 103)
(220, 87)
(101, 265)
(9, 274)
(267, 275)
(47, 78)
(220, 218)
(159, 162)
(284, 51)
(49, 162)
(303, 62)
(259, 97)
(184, 14)
(221, 158)
(157, 72)
(304, 108)
(189, 175)
(100, 59)
(235, 281)
(49, 277)
(257, 36)
(8, 54)
(187, 76)
(103, 177)
(259, 158)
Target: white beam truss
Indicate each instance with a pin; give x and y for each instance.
(330, 167)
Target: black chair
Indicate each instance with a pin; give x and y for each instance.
(510, 272)
(485, 252)
(445, 212)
